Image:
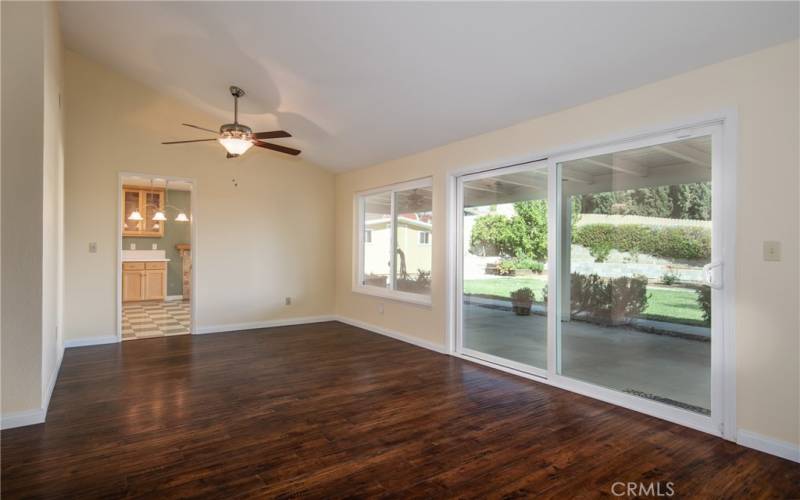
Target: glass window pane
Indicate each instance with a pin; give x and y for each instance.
(377, 212)
(413, 233)
(635, 311)
(505, 266)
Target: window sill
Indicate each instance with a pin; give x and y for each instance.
(411, 298)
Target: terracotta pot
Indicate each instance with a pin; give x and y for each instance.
(521, 308)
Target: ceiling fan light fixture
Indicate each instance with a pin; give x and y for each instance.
(135, 215)
(235, 144)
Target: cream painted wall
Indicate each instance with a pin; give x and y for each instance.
(265, 236)
(32, 158)
(22, 109)
(763, 87)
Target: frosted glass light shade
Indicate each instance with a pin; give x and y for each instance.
(159, 216)
(235, 145)
(135, 215)
(181, 217)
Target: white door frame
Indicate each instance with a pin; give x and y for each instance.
(541, 165)
(724, 168)
(193, 240)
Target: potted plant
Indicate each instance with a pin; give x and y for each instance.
(521, 301)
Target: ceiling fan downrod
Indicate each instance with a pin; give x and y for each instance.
(236, 92)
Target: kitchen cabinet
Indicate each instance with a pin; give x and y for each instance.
(146, 201)
(144, 281)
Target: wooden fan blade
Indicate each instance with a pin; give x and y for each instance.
(193, 140)
(200, 128)
(275, 134)
(275, 147)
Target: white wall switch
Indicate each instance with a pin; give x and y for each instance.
(133, 246)
(155, 246)
(772, 251)
(93, 247)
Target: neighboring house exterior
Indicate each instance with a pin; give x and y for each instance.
(414, 237)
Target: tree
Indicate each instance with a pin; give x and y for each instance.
(529, 226)
(492, 235)
(680, 201)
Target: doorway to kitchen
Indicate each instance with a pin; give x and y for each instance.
(155, 271)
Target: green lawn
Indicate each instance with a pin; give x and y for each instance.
(677, 305)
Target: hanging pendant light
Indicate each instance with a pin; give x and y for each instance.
(135, 215)
(159, 216)
(181, 217)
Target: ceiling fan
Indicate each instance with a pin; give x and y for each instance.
(237, 138)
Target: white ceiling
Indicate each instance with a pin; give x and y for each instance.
(360, 83)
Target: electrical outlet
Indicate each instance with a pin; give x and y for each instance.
(155, 246)
(772, 251)
(288, 301)
(380, 308)
(93, 247)
(133, 246)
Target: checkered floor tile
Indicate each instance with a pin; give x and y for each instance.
(155, 319)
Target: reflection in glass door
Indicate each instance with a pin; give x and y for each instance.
(503, 265)
(635, 255)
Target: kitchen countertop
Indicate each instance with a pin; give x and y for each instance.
(144, 260)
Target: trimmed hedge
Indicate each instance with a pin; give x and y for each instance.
(690, 243)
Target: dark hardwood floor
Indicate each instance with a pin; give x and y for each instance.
(329, 410)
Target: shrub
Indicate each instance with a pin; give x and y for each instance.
(493, 235)
(691, 243)
(528, 263)
(670, 277)
(522, 295)
(704, 301)
(600, 252)
(614, 300)
(506, 267)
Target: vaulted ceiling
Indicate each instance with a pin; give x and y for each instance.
(360, 83)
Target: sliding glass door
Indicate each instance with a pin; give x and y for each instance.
(601, 270)
(635, 305)
(504, 266)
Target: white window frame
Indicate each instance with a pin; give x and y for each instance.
(359, 285)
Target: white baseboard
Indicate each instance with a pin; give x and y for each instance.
(90, 341)
(169, 298)
(769, 445)
(22, 418)
(425, 344)
(233, 327)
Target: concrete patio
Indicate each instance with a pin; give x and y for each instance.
(661, 366)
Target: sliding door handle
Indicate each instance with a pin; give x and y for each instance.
(710, 276)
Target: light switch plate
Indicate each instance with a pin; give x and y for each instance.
(772, 251)
(288, 301)
(155, 246)
(133, 246)
(93, 247)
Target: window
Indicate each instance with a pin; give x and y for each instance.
(394, 251)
